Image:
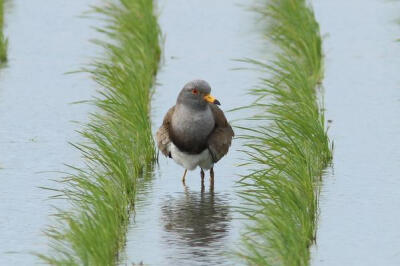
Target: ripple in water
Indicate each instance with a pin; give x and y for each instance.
(196, 225)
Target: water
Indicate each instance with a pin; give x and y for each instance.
(177, 225)
(187, 225)
(46, 40)
(360, 200)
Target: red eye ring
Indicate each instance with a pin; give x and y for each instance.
(194, 91)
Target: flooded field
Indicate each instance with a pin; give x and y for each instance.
(173, 224)
(360, 199)
(176, 224)
(45, 41)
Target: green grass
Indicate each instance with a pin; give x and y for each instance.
(118, 148)
(3, 40)
(289, 149)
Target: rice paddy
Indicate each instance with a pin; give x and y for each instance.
(118, 147)
(118, 203)
(3, 39)
(289, 149)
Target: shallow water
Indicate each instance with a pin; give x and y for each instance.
(46, 40)
(360, 200)
(173, 224)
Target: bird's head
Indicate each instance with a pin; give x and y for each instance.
(196, 93)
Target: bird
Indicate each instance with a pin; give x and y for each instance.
(195, 132)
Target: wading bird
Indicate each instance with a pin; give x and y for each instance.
(195, 131)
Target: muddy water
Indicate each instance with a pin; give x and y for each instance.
(46, 40)
(359, 223)
(176, 225)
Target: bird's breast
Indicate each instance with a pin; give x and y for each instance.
(191, 128)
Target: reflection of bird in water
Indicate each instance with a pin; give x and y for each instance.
(197, 223)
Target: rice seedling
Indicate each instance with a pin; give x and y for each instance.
(3, 40)
(118, 148)
(289, 149)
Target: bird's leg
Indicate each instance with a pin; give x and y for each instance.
(183, 177)
(212, 177)
(202, 177)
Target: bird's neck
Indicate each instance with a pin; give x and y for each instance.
(191, 104)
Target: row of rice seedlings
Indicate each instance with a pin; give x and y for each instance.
(289, 149)
(3, 40)
(118, 148)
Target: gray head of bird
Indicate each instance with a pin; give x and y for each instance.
(196, 94)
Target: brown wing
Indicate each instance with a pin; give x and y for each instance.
(220, 139)
(162, 136)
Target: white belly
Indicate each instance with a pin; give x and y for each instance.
(191, 161)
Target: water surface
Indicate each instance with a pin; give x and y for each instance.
(46, 39)
(359, 222)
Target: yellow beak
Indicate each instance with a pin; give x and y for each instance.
(211, 99)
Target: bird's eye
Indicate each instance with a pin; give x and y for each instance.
(194, 91)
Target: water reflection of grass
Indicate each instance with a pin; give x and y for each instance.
(289, 149)
(3, 40)
(118, 148)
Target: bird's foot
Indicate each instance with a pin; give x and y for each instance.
(212, 178)
(183, 177)
(202, 177)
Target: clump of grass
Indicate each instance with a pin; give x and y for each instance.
(290, 148)
(118, 148)
(3, 40)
